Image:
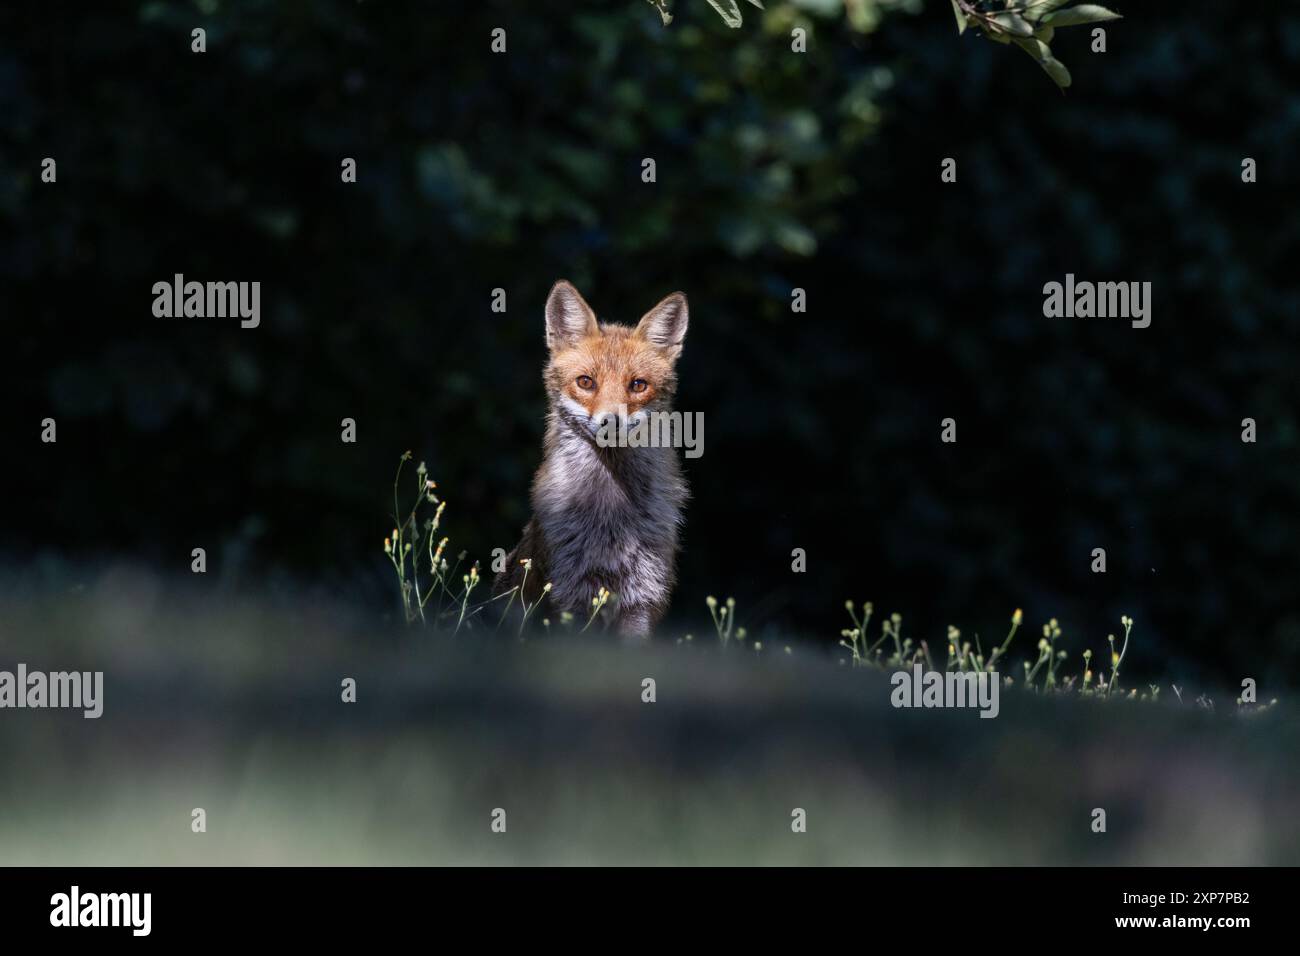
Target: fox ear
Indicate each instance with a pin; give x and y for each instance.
(568, 317)
(665, 324)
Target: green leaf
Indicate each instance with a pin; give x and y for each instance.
(1037, 9)
(1084, 13)
(664, 13)
(1057, 71)
(757, 3)
(729, 12)
(1042, 55)
(1045, 33)
(961, 17)
(1036, 48)
(1014, 24)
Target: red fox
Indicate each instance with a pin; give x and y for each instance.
(604, 516)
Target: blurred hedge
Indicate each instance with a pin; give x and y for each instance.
(775, 170)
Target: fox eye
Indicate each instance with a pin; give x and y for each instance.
(586, 382)
(638, 385)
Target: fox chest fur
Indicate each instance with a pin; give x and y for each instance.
(604, 517)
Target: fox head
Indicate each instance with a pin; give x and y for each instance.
(601, 371)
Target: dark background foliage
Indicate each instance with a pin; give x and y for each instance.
(775, 171)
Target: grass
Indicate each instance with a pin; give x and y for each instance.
(1042, 672)
(441, 603)
(231, 702)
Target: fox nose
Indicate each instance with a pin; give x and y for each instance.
(605, 419)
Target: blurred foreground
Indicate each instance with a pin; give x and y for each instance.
(234, 706)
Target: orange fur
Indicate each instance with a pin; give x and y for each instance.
(613, 359)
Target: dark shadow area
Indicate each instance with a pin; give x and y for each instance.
(775, 171)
